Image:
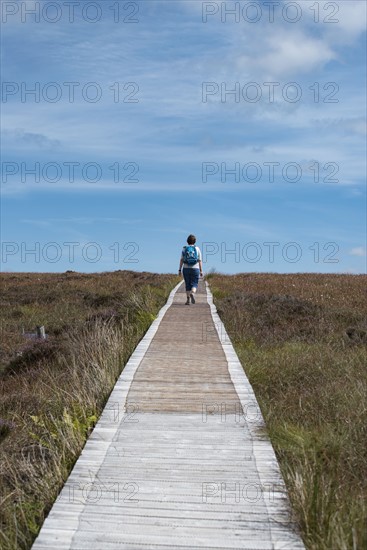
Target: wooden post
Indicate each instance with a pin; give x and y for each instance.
(41, 332)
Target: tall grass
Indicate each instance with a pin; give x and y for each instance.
(54, 408)
(302, 342)
(53, 393)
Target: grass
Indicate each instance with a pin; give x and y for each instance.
(52, 392)
(302, 342)
(301, 339)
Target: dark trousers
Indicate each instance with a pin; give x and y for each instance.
(191, 276)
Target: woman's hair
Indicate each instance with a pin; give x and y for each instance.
(191, 239)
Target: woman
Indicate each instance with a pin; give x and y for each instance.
(192, 268)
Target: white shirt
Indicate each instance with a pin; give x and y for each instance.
(199, 257)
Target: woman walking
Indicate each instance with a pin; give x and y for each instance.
(192, 268)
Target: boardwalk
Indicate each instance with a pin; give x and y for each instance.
(177, 459)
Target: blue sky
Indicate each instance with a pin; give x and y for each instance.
(172, 124)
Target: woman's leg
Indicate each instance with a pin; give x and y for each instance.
(187, 278)
(194, 282)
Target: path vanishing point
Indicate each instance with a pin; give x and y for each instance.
(179, 458)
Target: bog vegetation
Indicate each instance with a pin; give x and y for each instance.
(302, 342)
(53, 391)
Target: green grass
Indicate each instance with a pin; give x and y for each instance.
(53, 392)
(302, 342)
(301, 339)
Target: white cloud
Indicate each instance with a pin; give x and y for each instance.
(358, 251)
(289, 53)
(341, 22)
(30, 140)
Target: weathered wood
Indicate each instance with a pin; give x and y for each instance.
(177, 459)
(41, 332)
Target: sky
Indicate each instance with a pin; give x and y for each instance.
(127, 126)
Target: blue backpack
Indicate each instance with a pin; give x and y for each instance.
(190, 255)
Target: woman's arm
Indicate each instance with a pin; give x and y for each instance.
(200, 263)
(181, 263)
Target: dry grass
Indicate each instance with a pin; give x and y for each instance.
(63, 300)
(302, 341)
(53, 393)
